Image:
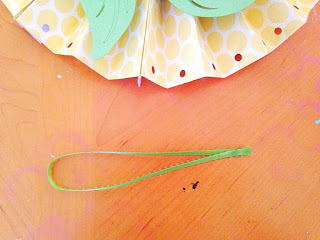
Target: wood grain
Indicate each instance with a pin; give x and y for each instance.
(271, 105)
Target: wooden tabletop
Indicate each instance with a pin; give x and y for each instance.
(272, 106)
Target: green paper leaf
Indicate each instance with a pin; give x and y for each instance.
(211, 8)
(108, 20)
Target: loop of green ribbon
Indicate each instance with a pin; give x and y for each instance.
(211, 156)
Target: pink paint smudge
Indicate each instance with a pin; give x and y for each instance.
(285, 129)
(52, 227)
(312, 59)
(306, 103)
(281, 173)
(318, 86)
(317, 148)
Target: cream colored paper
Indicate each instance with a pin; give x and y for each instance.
(162, 43)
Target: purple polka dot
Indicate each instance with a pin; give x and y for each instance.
(45, 28)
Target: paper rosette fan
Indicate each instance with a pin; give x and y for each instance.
(163, 43)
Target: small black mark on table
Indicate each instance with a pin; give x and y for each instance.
(195, 185)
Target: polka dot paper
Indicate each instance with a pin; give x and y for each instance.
(164, 44)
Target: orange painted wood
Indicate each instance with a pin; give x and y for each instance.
(271, 105)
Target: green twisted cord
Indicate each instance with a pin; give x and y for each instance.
(211, 156)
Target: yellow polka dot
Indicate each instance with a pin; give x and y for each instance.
(160, 61)
(307, 1)
(278, 12)
(160, 38)
(270, 37)
(117, 61)
(123, 40)
(159, 16)
(138, 3)
(41, 2)
(206, 23)
(261, 2)
(292, 2)
(226, 22)
(172, 49)
(188, 54)
(54, 43)
(177, 11)
(69, 25)
(225, 63)
(135, 21)
(184, 29)
(87, 43)
(112, 50)
(305, 10)
(154, 16)
(101, 66)
(292, 27)
(151, 41)
(64, 6)
(173, 74)
(170, 26)
(255, 17)
(166, 6)
(161, 81)
(80, 11)
(236, 41)
(127, 70)
(47, 17)
(215, 41)
(132, 46)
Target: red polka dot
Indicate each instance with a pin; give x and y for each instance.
(238, 57)
(278, 31)
(214, 67)
(182, 73)
(153, 70)
(69, 46)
